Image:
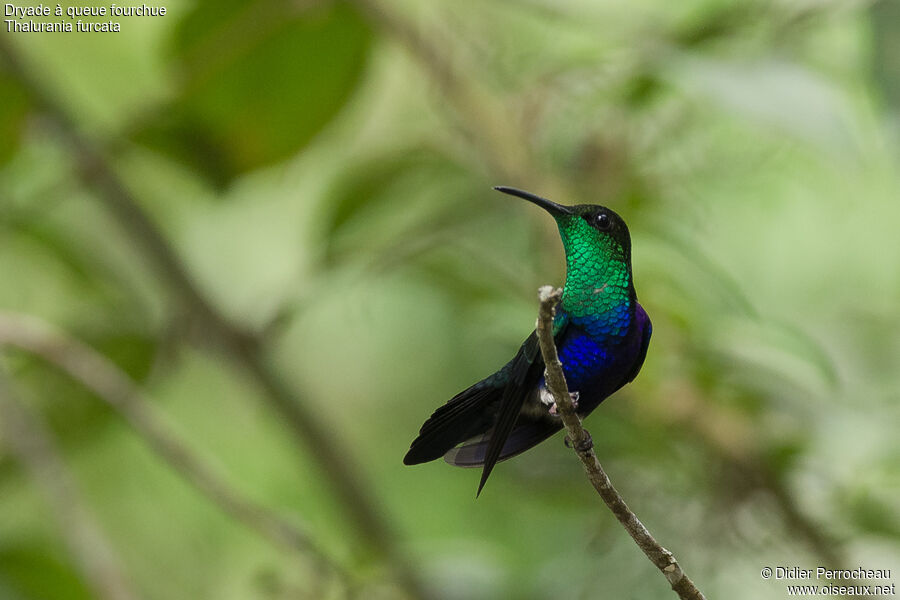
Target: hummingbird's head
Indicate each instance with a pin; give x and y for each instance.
(588, 231)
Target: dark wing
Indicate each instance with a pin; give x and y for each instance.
(465, 415)
(490, 407)
(522, 376)
(523, 372)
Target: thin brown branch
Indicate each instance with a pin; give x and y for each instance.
(32, 444)
(245, 348)
(110, 384)
(581, 441)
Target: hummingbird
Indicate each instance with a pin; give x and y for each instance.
(601, 333)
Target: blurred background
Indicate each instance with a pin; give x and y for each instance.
(246, 248)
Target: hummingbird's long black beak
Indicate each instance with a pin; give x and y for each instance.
(551, 207)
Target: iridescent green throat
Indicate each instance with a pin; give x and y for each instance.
(598, 271)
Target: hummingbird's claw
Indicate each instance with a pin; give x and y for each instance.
(586, 444)
(573, 395)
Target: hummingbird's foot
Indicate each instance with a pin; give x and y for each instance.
(586, 444)
(547, 398)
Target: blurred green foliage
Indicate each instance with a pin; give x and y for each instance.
(324, 171)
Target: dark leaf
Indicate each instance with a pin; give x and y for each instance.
(872, 514)
(260, 79)
(34, 572)
(13, 109)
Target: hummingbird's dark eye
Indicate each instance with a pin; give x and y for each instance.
(602, 221)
